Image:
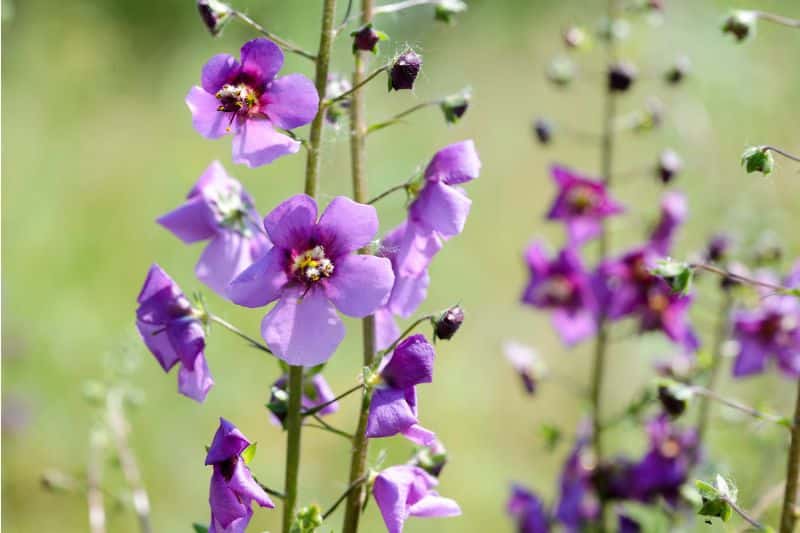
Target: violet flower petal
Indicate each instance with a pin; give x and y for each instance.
(290, 101)
(256, 143)
(261, 282)
(360, 284)
(261, 61)
(291, 223)
(346, 225)
(206, 118)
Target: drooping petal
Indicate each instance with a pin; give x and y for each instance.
(389, 413)
(195, 381)
(303, 329)
(261, 61)
(391, 492)
(456, 163)
(290, 101)
(433, 505)
(261, 282)
(243, 484)
(226, 256)
(156, 340)
(574, 326)
(419, 435)
(291, 223)
(752, 357)
(441, 208)
(360, 284)
(157, 280)
(188, 339)
(408, 293)
(417, 249)
(256, 143)
(411, 363)
(219, 70)
(190, 221)
(206, 119)
(386, 329)
(225, 504)
(346, 226)
(228, 442)
(214, 178)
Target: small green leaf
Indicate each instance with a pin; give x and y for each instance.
(677, 274)
(199, 528)
(706, 489)
(552, 435)
(249, 453)
(758, 159)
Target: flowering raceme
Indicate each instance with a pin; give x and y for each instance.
(232, 488)
(246, 99)
(219, 210)
(173, 333)
(403, 491)
(312, 270)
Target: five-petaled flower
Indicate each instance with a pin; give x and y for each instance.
(219, 210)
(393, 408)
(172, 331)
(312, 270)
(563, 285)
(581, 203)
(403, 491)
(246, 99)
(770, 330)
(233, 488)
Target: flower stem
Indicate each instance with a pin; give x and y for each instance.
(230, 327)
(356, 484)
(710, 395)
(743, 279)
(356, 86)
(321, 424)
(720, 335)
(784, 153)
(400, 6)
(778, 19)
(270, 491)
(294, 417)
(358, 156)
(399, 116)
(317, 408)
(745, 515)
(283, 43)
(387, 192)
(408, 330)
(789, 513)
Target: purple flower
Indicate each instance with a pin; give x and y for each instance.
(233, 488)
(312, 271)
(528, 511)
(403, 491)
(770, 330)
(219, 210)
(562, 285)
(674, 210)
(393, 408)
(172, 332)
(316, 392)
(581, 203)
(578, 503)
(668, 312)
(526, 363)
(246, 98)
(440, 209)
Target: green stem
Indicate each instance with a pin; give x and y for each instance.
(283, 43)
(742, 279)
(745, 515)
(408, 330)
(778, 19)
(716, 358)
(317, 408)
(356, 87)
(321, 424)
(387, 192)
(233, 329)
(789, 512)
(399, 116)
(708, 395)
(343, 496)
(294, 416)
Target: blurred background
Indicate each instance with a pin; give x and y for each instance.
(98, 142)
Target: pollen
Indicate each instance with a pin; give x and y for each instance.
(312, 265)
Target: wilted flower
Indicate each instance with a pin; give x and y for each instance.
(448, 323)
(621, 76)
(246, 99)
(563, 285)
(393, 408)
(528, 511)
(581, 204)
(454, 106)
(669, 165)
(219, 210)
(215, 14)
(543, 129)
(758, 159)
(316, 392)
(404, 491)
(173, 333)
(526, 362)
(233, 488)
(404, 70)
(312, 270)
(674, 209)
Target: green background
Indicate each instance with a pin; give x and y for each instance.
(98, 142)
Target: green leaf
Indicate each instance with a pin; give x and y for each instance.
(249, 453)
(706, 489)
(758, 159)
(199, 528)
(677, 274)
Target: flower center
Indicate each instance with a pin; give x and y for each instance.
(231, 210)
(239, 98)
(670, 448)
(312, 265)
(581, 199)
(657, 302)
(557, 290)
(775, 327)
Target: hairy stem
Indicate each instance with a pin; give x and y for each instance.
(789, 512)
(399, 116)
(358, 156)
(283, 43)
(294, 415)
(721, 333)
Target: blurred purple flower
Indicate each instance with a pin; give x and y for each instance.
(528, 511)
(219, 210)
(172, 332)
(674, 209)
(404, 491)
(233, 488)
(312, 271)
(440, 209)
(581, 203)
(393, 408)
(316, 392)
(246, 98)
(770, 330)
(578, 503)
(563, 285)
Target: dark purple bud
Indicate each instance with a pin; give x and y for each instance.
(673, 403)
(215, 14)
(741, 24)
(679, 70)
(574, 37)
(447, 324)
(543, 129)
(669, 165)
(405, 70)
(718, 247)
(367, 38)
(621, 76)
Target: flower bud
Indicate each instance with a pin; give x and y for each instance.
(673, 400)
(718, 248)
(574, 37)
(366, 39)
(679, 70)
(447, 9)
(431, 458)
(669, 165)
(758, 159)
(650, 118)
(279, 403)
(621, 76)
(336, 85)
(561, 71)
(308, 519)
(448, 323)
(215, 14)
(741, 24)
(454, 106)
(404, 70)
(543, 129)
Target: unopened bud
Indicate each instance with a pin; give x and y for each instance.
(405, 70)
(673, 400)
(621, 76)
(447, 9)
(718, 248)
(279, 401)
(543, 129)
(215, 15)
(574, 37)
(432, 458)
(741, 24)
(758, 159)
(669, 165)
(454, 106)
(366, 39)
(447, 325)
(561, 71)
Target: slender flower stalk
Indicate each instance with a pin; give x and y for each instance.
(357, 87)
(408, 330)
(320, 407)
(353, 486)
(283, 43)
(94, 483)
(294, 415)
(233, 329)
(358, 156)
(743, 279)
(710, 395)
(789, 512)
(747, 517)
(400, 6)
(778, 19)
(778, 151)
(387, 192)
(399, 116)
